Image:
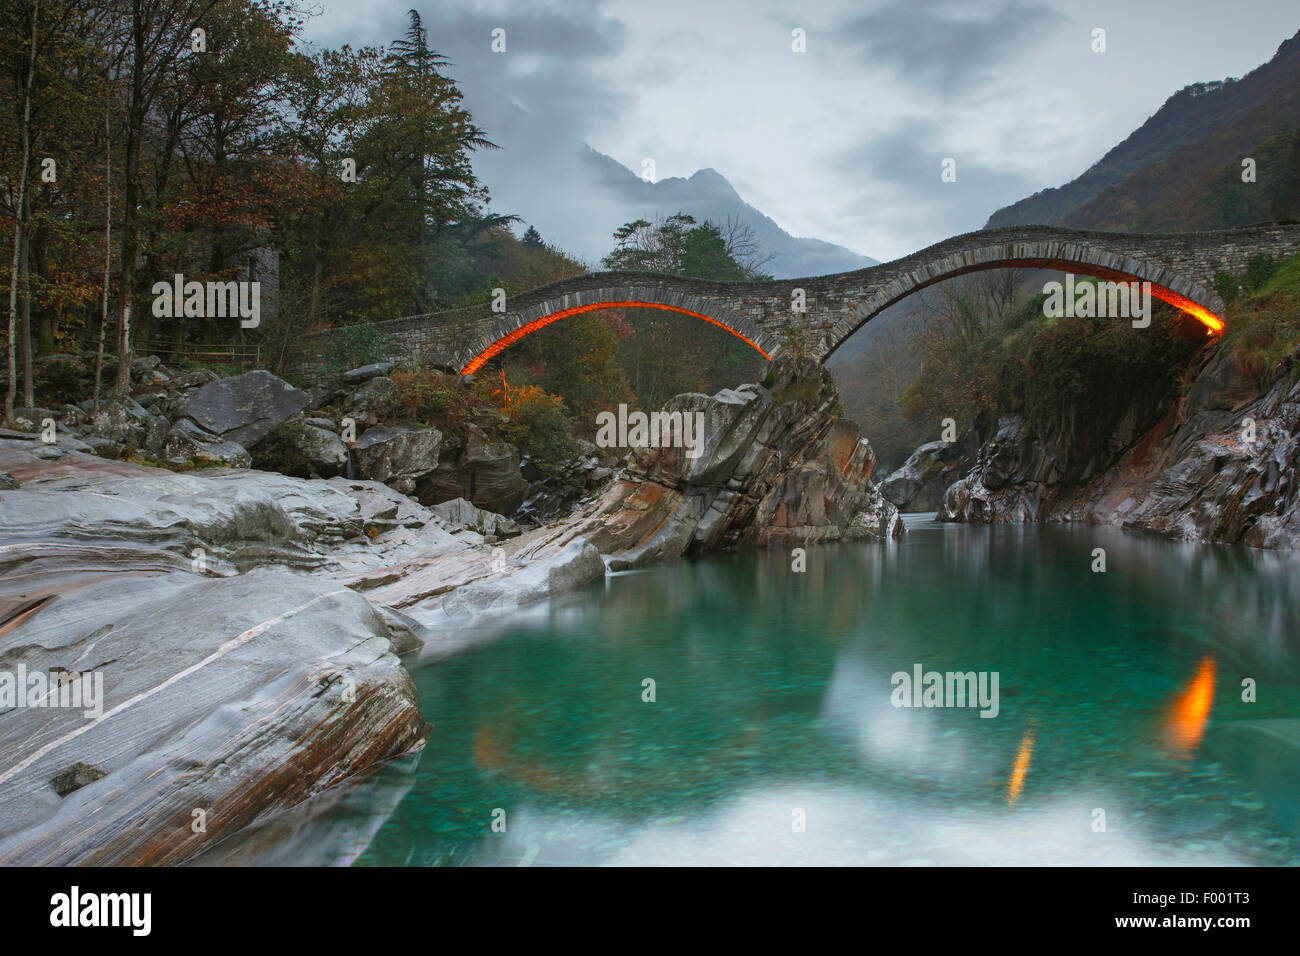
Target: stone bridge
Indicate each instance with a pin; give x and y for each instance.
(1180, 267)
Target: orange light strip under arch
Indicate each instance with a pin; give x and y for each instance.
(501, 344)
(1214, 323)
(1199, 312)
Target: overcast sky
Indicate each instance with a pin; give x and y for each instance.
(845, 141)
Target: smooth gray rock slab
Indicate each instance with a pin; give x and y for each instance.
(243, 408)
(366, 372)
(237, 697)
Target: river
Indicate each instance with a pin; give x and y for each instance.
(773, 736)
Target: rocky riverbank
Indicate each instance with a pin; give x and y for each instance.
(246, 625)
(779, 467)
(1219, 466)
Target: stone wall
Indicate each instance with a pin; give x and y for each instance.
(838, 305)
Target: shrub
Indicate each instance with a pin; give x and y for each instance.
(423, 395)
(537, 423)
(1266, 334)
(1259, 270)
(1286, 278)
(354, 345)
(1227, 285)
(1083, 375)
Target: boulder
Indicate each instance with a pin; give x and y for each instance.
(397, 456)
(303, 450)
(318, 396)
(366, 372)
(479, 470)
(459, 514)
(74, 417)
(371, 403)
(194, 378)
(243, 408)
(187, 442)
(36, 415)
(920, 482)
(125, 424)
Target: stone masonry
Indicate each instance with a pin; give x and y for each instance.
(838, 305)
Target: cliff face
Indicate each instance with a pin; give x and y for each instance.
(1196, 475)
(778, 468)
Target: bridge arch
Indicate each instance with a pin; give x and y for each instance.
(827, 309)
(524, 321)
(954, 257)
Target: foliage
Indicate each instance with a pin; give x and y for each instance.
(1266, 333)
(1073, 379)
(1264, 320)
(1082, 375)
(354, 345)
(1285, 278)
(422, 395)
(537, 423)
(216, 165)
(1258, 271)
(280, 451)
(581, 364)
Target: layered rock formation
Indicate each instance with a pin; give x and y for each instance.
(479, 470)
(233, 684)
(777, 467)
(920, 482)
(246, 624)
(1219, 467)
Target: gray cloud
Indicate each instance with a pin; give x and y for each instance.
(899, 177)
(945, 46)
(841, 143)
(555, 61)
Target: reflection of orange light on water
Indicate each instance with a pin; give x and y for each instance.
(1021, 767)
(1191, 710)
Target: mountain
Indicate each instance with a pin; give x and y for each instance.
(708, 195)
(1182, 169)
(576, 197)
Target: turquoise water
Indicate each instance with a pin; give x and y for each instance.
(773, 739)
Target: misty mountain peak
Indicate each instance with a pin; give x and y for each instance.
(712, 180)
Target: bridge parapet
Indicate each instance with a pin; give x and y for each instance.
(1182, 264)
